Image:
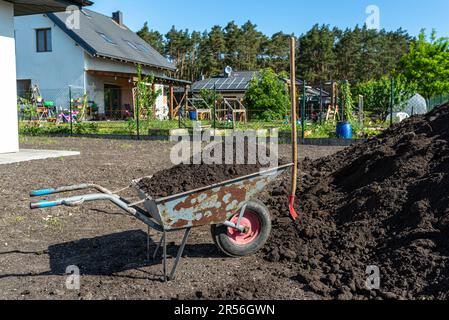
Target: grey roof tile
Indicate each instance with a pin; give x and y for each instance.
(89, 36)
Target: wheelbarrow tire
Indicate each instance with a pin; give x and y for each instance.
(233, 243)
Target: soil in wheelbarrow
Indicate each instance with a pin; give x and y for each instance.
(384, 203)
(191, 176)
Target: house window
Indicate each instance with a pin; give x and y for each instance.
(143, 48)
(106, 38)
(132, 45)
(43, 40)
(23, 88)
(86, 14)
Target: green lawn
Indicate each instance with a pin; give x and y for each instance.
(326, 130)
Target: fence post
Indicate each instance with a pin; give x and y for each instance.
(321, 102)
(392, 102)
(215, 108)
(138, 112)
(343, 101)
(70, 110)
(303, 111)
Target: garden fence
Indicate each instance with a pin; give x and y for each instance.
(110, 111)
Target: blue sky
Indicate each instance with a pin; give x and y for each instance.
(282, 15)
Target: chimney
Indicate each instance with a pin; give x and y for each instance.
(118, 17)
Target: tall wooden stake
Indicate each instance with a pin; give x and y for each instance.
(292, 196)
(172, 95)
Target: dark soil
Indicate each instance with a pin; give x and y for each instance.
(36, 247)
(188, 177)
(383, 203)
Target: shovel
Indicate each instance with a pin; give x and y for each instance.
(292, 197)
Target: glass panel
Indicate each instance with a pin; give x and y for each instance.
(106, 38)
(49, 44)
(132, 45)
(40, 40)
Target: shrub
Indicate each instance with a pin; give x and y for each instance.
(210, 96)
(267, 96)
(427, 64)
(377, 94)
(85, 128)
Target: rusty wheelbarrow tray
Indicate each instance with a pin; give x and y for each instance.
(221, 204)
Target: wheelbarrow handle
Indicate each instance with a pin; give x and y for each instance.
(46, 192)
(79, 200)
(45, 204)
(42, 192)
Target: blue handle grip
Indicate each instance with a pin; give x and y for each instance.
(43, 192)
(44, 204)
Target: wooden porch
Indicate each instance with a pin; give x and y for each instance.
(174, 103)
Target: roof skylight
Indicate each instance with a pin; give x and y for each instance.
(85, 13)
(106, 38)
(143, 48)
(132, 45)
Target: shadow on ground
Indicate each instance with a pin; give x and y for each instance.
(111, 254)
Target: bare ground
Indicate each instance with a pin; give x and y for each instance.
(36, 247)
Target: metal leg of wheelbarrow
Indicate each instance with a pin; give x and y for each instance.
(164, 263)
(148, 244)
(158, 246)
(163, 244)
(180, 252)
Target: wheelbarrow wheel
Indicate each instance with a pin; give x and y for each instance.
(257, 221)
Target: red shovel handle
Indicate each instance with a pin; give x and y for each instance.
(291, 202)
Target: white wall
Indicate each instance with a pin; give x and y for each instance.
(65, 65)
(96, 84)
(101, 64)
(95, 90)
(9, 138)
(52, 71)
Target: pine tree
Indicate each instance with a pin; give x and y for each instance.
(316, 54)
(252, 41)
(212, 50)
(324, 53)
(154, 38)
(234, 44)
(275, 53)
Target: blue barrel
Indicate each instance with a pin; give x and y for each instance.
(344, 130)
(193, 115)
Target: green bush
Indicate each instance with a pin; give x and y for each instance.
(55, 129)
(31, 130)
(85, 128)
(345, 95)
(35, 129)
(377, 94)
(210, 96)
(267, 96)
(427, 64)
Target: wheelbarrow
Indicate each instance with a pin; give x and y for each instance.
(240, 226)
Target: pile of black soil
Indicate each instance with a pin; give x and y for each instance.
(188, 177)
(384, 203)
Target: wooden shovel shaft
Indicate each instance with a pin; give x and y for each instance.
(293, 114)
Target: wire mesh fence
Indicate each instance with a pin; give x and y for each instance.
(437, 101)
(113, 110)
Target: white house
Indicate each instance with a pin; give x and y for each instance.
(92, 53)
(9, 140)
